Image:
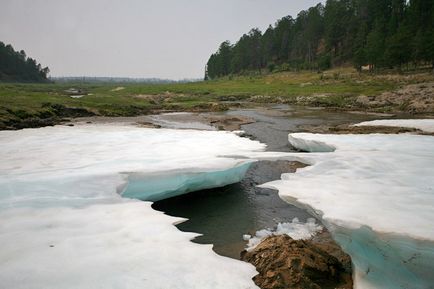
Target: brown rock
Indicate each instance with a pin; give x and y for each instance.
(413, 98)
(298, 264)
(226, 122)
(349, 129)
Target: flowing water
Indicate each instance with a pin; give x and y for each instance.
(223, 215)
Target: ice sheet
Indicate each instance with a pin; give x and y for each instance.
(63, 220)
(426, 125)
(64, 224)
(375, 193)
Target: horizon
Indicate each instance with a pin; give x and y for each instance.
(103, 40)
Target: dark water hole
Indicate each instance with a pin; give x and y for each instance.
(223, 215)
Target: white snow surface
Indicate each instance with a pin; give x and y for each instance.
(296, 230)
(375, 193)
(368, 176)
(63, 220)
(64, 224)
(426, 125)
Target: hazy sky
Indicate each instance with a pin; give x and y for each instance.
(135, 38)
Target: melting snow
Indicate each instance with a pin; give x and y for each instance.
(426, 125)
(295, 229)
(65, 225)
(375, 193)
(64, 222)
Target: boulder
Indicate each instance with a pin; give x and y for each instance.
(299, 264)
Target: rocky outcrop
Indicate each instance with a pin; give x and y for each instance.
(298, 264)
(414, 98)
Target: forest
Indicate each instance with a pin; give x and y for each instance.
(368, 34)
(15, 66)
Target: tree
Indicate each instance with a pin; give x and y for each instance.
(255, 49)
(360, 55)
(16, 66)
(398, 48)
(375, 46)
(381, 33)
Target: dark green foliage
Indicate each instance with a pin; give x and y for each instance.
(374, 33)
(324, 62)
(17, 67)
(271, 66)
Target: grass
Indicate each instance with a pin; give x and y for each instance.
(336, 88)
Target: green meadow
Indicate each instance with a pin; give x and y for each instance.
(335, 88)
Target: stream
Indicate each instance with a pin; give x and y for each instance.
(224, 215)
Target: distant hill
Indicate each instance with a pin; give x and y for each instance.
(370, 34)
(17, 67)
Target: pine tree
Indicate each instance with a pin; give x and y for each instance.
(17, 67)
(381, 33)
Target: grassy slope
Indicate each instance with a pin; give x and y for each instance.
(336, 88)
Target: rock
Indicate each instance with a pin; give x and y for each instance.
(299, 264)
(226, 122)
(350, 129)
(413, 98)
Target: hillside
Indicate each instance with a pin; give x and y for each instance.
(15, 66)
(369, 34)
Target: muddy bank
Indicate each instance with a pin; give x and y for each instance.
(350, 129)
(175, 120)
(52, 114)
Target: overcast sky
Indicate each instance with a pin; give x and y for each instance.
(135, 38)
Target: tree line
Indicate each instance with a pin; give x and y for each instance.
(15, 66)
(367, 33)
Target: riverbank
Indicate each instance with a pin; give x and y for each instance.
(37, 105)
